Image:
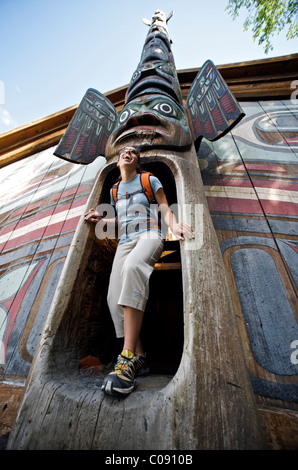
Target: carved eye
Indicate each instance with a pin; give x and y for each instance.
(166, 109)
(124, 115)
(166, 68)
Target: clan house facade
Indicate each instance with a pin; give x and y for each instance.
(226, 309)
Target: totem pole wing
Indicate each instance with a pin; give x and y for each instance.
(212, 108)
(88, 131)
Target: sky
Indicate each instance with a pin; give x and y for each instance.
(52, 51)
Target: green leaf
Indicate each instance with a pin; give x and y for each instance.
(267, 18)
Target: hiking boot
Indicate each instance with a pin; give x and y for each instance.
(122, 380)
(142, 368)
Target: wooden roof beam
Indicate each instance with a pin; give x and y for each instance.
(253, 80)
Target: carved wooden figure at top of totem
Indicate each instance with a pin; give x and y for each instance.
(154, 115)
(208, 402)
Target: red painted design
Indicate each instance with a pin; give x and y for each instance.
(81, 145)
(234, 205)
(197, 127)
(208, 126)
(91, 150)
(279, 207)
(227, 104)
(71, 192)
(243, 183)
(246, 183)
(217, 117)
(293, 247)
(275, 184)
(291, 141)
(62, 226)
(251, 206)
(260, 167)
(70, 137)
(103, 144)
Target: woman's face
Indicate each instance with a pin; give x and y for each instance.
(128, 157)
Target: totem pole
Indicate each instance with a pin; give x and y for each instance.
(209, 403)
(154, 116)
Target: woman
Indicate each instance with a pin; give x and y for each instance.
(139, 248)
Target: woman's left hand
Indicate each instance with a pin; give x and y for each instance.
(181, 228)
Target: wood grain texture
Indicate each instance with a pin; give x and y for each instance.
(209, 377)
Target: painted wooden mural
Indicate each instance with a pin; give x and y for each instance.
(250, 180)
(42, 199)
(167, 134)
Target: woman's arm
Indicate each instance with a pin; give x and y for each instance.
(178, 228)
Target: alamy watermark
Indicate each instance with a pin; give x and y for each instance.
(294, 355)
(191, 214)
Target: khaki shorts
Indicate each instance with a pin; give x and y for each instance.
(129, 281)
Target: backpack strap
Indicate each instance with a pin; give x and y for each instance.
(145, 182)
(114, 191)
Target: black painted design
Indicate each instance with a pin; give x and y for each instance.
(87, 134)
(278, 391)
(213, 109)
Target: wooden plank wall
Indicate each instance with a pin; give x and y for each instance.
(250, 178)
(41, 200)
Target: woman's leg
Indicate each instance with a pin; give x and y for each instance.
(135, 274)
(133, 316)
(133, 319)
(115, 287)
(129, 287)
(136, 271)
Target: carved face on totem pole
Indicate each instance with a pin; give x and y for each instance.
(154, 116)
(150, 122)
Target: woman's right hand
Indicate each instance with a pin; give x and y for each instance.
(92, 216)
